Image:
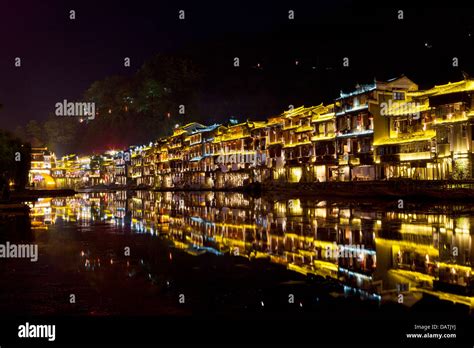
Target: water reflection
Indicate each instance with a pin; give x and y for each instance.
(390, 251)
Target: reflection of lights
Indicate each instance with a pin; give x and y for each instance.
(461, 230)
(357, 275)
(229, 226)
(348, 290)
(416, 229)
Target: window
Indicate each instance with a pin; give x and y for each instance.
(330, 127)
(355, 147)
(320, 129)
(399, 95)
(403, 126)
(442, 136)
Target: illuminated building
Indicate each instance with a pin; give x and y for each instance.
(274, 145)
(148, 155)
(177, 154)
(403, 137)
(199, 158)
(355, 134)
(384, 130)
(260, 169)
(425, 134)
(235, 155)
(162, 170)
(67, 172)
(301, 144)
(297, 147)
(324, 156)
(107, 169)
(93, 170)
(43, 163)
(121, 167)
(453, 119)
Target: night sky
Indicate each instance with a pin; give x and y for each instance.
(62, 57)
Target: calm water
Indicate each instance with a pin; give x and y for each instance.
(149, 253)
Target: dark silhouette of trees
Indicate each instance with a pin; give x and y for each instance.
(129, 110)
(14, 161)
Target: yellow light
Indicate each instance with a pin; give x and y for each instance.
(295, 174)
(415, 156)
(403, 244)
(416, 229)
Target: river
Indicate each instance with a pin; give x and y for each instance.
(183, 253)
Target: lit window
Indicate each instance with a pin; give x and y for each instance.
(399, 95)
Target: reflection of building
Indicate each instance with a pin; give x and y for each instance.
(428, 253)
(41, 214)
(377, 253)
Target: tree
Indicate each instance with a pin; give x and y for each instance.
(35, 134)
(129, 109)
(60, 134)
(14, 161)
(142, 107)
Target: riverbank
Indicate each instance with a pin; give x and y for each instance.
(16, 199)
(32, 195)
(387, 189)
(13, 208)
(392, 189)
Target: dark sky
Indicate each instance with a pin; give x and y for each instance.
(62, 57)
